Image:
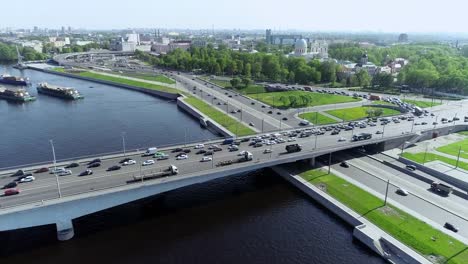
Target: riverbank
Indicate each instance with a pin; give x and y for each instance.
(369, 217)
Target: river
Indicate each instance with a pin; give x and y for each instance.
(255, 218)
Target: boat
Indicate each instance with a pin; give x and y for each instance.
(57, 91)
(13, 80)
(17, 95)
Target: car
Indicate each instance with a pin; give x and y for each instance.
(187, 151)
(251, 124)
(233, 148)
(147, 162)
(209, 153)
(219, 103)
(42, 170)
(199, 146)
(65, 173)
(267, 151)
(178, 150)
(424, 123)
(257, 145)
(344, 164)
(217, 149)
(162, 157)
(124, 160)
(27, 179)
(206, 158)
(451, 227)
(57, 170)
(285, 119)
(341, 139)
(129, 162)
(10, 185)
(278, 113)
(114, 168)
(18, 173)
(182, 157)
(292, 139)
(86, 173)
(72, 165)
(270, 112)
(94, 161)
(379, 132)
(213, 146)
(201, 151)
(411, 167)
(402, 191)
(94, 165)
(12, 191)
(263, 106)
(252, 103)
(435, 123)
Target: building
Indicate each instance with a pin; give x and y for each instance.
(403, 38)
(280, 39)
(199, 43)
(59, 42)
(161, 48)
(318, 50)
(364, 64)
(122, 44)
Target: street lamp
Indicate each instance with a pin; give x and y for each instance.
(123, 142)
(403, 147)
(55, 168)
(458, 157)
(329, 162)
(412, 126)
(383, 130)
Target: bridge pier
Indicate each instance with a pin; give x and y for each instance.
(311, 161)
(65, 230)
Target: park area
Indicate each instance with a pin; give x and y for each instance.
(361, 112)
(297, 99)
(241, 88)
(317, 118)
(411, 231)
(421, 104)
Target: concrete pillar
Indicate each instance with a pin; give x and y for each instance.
(312, 162)
(65, 230)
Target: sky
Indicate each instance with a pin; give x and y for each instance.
(302, 15)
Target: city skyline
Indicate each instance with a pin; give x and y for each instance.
(397, 16)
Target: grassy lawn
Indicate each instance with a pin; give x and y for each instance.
(58, 69)
(452, 149)
(221, 118)
(317, 118)
(156, 78)
(251, 89)
(422, 104)
(283, 99)
(464, 133)
(356, 113)
(379, 102)
(419, 158)
(401, 225)
(129, 82)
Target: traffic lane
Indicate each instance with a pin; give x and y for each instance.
(412, 202)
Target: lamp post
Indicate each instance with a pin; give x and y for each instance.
(55, 168)
(458, 157)
(329, 162)
(425, 153)
(386, 192)
(403, 147)
(123, 143)
(383, 130)
(412, 126)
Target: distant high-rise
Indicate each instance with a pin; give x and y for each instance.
(403, 37)
(69, 29)
(36, 29)
(63, 29)
(268, 39)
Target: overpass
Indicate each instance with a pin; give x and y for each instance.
(80, 196)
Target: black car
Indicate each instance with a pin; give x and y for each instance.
(245, 140)
(252, 103)
(186, 150)
(10, 185)
(217, 149)
(72, 165)
(124, 160)
(201, 151)
(285, 119)
(114, 168)
(85, 173)
(257, 145)
(94, 165)
(278, 113)
(209, 153)
(451, 227)
(94, 161)
(344, 164)
(178, 150)
(18, 173)
(23, 176)
(180, 154)
(335, 132)
(270, 112)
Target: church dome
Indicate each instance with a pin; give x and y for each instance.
(300, 44)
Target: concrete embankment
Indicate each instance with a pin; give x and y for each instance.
(376, 239)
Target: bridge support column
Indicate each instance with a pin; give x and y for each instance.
(65, 230)
(311, 161)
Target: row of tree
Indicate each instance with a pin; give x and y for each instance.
(8, 53)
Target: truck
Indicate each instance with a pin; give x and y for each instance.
(171, 170)
(361, 136)
(441, 188)
(246, 156)
(293, 148)
(374, 97)
(150, 151)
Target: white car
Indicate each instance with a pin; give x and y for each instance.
(28, 179)
(64, 173)
(233, 148)
(402, 191)
(199, 146)
(341, 139)
(291, 139)
(182, 157)
(267, 151)
(57, 170)
(213, 147)
(205, 159)
(148, 162)
(129, 162)
(242, 153)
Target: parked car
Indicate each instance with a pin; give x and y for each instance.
(65, 173)
(199, 146)
(72, 165)
(148, 162)
(129, 162)
(187, 151)
(182, 157)
(27, 179)
(206, 158)
(57, 170)
(41, 170)
(10, 185)
(402, 191)
(451, 227)
(18, 173)
(12, 191)
(94, 161)
(94, 165)
(178, 150)
(267, 151)
(124, 160)
(114, 168)
(86, 173)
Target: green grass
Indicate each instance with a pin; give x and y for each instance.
(401, 225)
(454, 148)
(422, 104)
(221, 118)
(379, 102)
(250, 89)
(317, 118)
(156, 78)
(419, 158)
(356, 113)
(464, 133)
(129, 82)
(58, 69)
(274, 99)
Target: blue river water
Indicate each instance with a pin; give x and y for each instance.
(254, 218)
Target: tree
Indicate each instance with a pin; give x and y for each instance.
(283, 100)
(235, 82)
(292, 101)
(363, 78)
(248, 70)
(246, 82)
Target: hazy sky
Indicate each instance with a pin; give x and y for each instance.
(335, 15)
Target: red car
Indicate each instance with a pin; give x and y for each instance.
(12, 191)
(41, 170)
